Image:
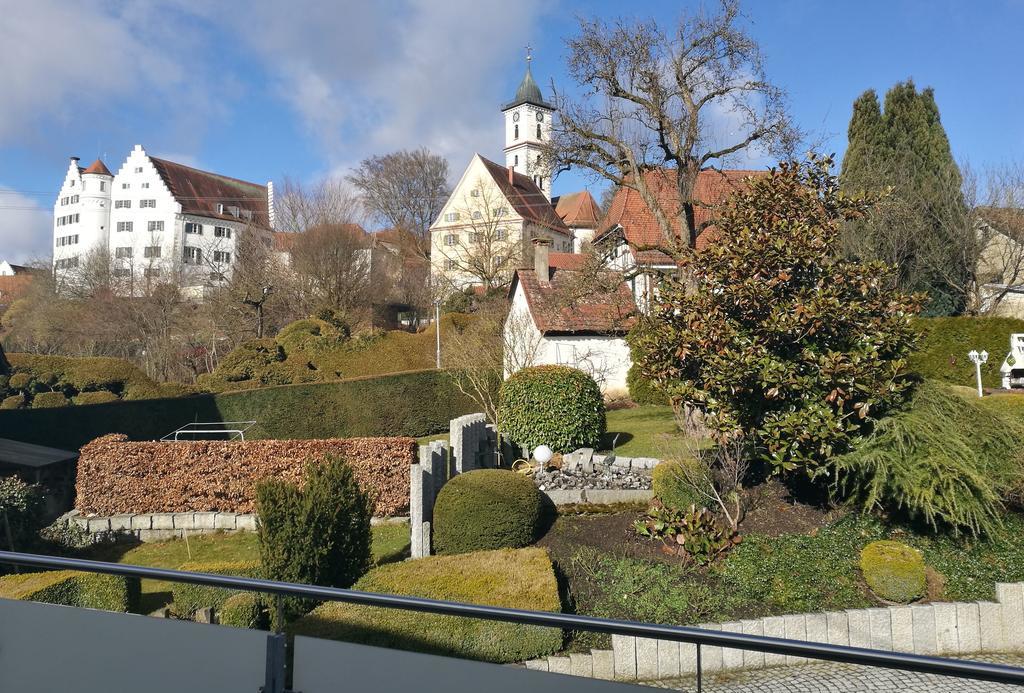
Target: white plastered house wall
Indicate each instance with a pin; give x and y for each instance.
(456, 219)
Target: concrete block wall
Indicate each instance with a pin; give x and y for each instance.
(946, 629)
(160, 526)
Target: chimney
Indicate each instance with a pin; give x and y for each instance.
(512, 175)
(540, 259)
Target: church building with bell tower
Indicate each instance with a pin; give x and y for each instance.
(527, 126)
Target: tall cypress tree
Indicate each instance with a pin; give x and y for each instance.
(923, 228)
(865, 137)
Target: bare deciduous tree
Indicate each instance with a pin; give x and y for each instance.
(481, 349)
(999, 218)
(330, 201)
(486, 247)
(683, 99)
(332, 265)
(405, 190)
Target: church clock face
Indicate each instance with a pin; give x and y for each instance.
(515, 117)
(540, 116)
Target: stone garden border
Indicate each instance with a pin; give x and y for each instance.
(941, 628)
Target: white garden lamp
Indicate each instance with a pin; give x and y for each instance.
(543, 454)
(978, 359)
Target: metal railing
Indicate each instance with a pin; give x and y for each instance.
(981, 671)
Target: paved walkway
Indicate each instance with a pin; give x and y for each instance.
(841, 678)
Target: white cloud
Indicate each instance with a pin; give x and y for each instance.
(361, 78)
(25, 228)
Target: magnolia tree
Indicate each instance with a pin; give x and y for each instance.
(777, 338)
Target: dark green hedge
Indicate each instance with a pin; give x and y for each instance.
(405, 404)
(942, 350)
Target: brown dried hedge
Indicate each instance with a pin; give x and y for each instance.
(116, 476)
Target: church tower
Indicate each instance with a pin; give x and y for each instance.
(527, 127)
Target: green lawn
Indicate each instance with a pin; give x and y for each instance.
(390, 544)
(648, 431)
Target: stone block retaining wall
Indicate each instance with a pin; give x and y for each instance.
(160, 526)
(943, 628)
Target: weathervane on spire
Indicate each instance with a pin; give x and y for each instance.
(529, 53)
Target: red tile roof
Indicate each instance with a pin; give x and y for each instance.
(199, 192)
(98, 167)
(563, 306)
(641, 228)
(526, 198)
(578, 210)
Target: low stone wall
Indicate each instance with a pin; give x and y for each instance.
(161, 526)
(945, 628)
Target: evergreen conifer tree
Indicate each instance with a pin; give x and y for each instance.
(923, 227)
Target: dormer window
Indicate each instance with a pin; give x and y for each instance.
(220, 208)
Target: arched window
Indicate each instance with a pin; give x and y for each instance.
(538, 131)
(517, 131)
(517, 160)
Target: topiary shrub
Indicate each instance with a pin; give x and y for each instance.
(99, 397)
(49, 400)
(318, 534)
(486, 509)
(670, 485)
(190, 598)
(242, 610)
(21, 514)
(557, 406)
(19, 381)
(250, 360)
(894, 571)
(69, 588)
(521, 579)
(13, 402)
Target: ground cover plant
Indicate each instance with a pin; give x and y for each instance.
(793, 559)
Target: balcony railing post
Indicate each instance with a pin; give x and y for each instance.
(274, 679)
(700, 680)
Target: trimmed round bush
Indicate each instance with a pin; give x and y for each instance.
(520, 579)
(49, 400)
(670, 485)
(242, 610)
(13, 402)
(557, 406)
(19, 381)
(98, 397)
(486, 509)
(894, 571)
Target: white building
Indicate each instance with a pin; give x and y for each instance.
(550, 323)
(485, 227)
(156, 221)
(527, 125)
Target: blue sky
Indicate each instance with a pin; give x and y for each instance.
(262, 89)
